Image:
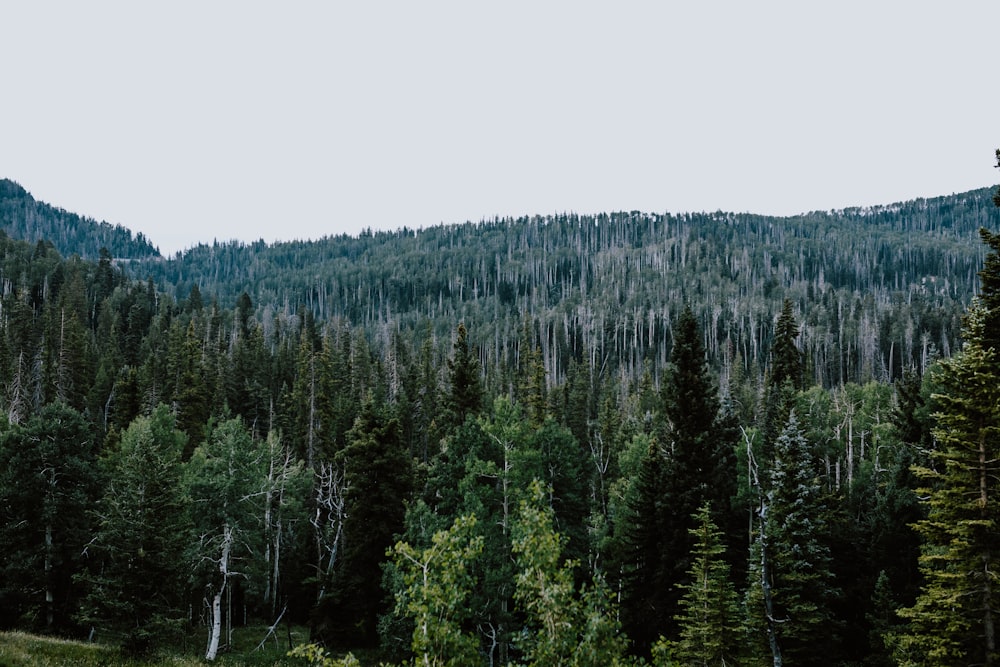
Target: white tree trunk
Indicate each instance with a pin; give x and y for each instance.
(216, 630)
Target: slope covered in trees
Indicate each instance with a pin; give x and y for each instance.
(22, 217)
(878, 289)
(528, 410)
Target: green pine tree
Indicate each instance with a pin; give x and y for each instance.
(954, 617)
(379, 481)
(801, 582)
(137, 583)
(465, 390)
(709, 620)
(698, 466)
(49, 480)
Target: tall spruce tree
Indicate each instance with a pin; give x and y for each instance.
(801, 582)
(709, 618)
(784, 379)
(465, 389)
(698, 466)
(953, 621)
(48, 483)
(137, 581)
(379, 480)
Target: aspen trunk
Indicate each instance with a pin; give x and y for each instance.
(216, 630)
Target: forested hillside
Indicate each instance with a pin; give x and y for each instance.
(878, 289)
(22, 217)
(561, 440)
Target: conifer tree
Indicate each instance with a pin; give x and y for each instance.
(784, 379)
(709, 618)
(801, 582)
(989, 278)
(953, 621)
(786, 360)
(48, 483)
(640, 535)
(465, 391)
(698, 466)
(379, 480)
(139, 574)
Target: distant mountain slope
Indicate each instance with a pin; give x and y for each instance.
(877, 288)
(24, 218)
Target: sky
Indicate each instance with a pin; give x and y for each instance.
(200, 121)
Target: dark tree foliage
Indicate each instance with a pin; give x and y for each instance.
(646, 580)
(989, 294)
(698, 468)
(465, 391)
(953, 619)
(783, 381)
(48, 482)
(21, 216)
(802, 579)
(137, 572)
(786, 360)
(379, 480)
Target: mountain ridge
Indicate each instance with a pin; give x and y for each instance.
(25, 218)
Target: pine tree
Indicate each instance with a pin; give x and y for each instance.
(709, 618)
(954, 617)
(699, 466)
(137, 583)
(784, 380)
(379, 480)
(639, 535)
(786, 360)
(465, 391)
(801, 579)
(49, 480)
(989, 278)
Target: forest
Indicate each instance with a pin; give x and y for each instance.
(626, 438)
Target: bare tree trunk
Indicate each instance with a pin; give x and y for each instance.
(765, 573)
(216, 629)
(328, 520)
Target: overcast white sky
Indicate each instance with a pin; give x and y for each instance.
(194, 121)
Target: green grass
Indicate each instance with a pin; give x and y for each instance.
(20, 649)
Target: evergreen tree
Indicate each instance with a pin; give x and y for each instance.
(48, 483)
(786, 360)
(137, 583)
(699, 466)
(954, 617)
(989, 278)
(465, 391)
(639, 536)
(709, 620)
(801, 582)
(192, 392)
(379, 480)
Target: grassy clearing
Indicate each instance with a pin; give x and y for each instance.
(19, 649)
